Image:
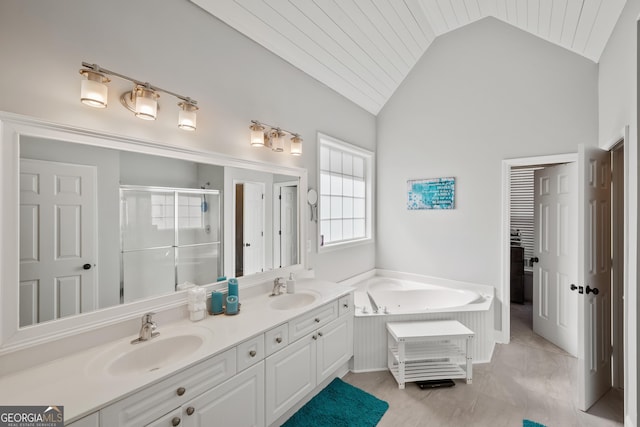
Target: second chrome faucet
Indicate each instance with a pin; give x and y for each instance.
(147, 330)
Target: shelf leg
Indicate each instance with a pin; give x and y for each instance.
(469, 361)
(401, 364)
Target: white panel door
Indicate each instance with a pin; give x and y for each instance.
(253, 228)
(554, 305)
(288, 225)
(57, 240)
(594, 275)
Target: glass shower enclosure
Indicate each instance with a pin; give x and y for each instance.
(168, 236)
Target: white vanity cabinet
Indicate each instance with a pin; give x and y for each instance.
(296, 370)
(250, 385)
(158, 400)
(238, 402)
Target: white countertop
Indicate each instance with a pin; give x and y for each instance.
(76, 382)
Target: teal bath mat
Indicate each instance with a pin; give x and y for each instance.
(529, 423)
(340, 405)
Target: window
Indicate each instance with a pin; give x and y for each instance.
(346, 192)
(522, 209)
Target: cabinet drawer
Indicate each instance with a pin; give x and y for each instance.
(276, 338)
(345, 305)
(301, 326)
(158, 399)
(250, 352)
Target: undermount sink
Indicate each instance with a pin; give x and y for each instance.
(291, 301)
(147, 356)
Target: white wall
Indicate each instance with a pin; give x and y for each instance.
(177, 46)
(480, 94)
(618, 101)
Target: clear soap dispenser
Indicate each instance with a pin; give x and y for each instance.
(291, 284)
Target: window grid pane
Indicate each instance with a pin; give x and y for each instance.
(343, 200)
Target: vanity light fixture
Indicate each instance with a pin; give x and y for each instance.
(142, 100)
(264, 135)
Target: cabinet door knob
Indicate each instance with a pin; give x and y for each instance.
(180, 391)
(315, 337)
(252, 353)
(279, 340)
(319, 334)
(190, 410)
(345, 305)
(175, 421)
(317, 320)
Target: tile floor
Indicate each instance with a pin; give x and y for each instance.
(530, 378)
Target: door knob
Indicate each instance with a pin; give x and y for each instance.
(87, 267)
(595, 291)
(247, 244)
(573, 287)
(534, 259)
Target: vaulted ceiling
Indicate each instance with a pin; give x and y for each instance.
(363, 49)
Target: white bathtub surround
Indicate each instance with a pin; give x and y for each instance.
(82, 384)
(401, 294)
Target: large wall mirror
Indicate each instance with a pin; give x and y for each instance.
(100, 223)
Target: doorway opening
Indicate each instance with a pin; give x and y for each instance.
(612, 308)
(249, 228)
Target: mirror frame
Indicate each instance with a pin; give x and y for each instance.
(12, 128)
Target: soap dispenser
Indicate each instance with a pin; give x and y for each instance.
(291, 284)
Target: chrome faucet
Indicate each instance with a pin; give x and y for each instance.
(278, 284)
(147, 330)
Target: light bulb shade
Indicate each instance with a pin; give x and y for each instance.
(93, 90)
(146, 103)
(187, 116)
(296, 146)
(257, 135)
(277, 141)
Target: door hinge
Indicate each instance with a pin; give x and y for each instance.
(280, 232)
(279, 197)
(262, 196)
(262, 234)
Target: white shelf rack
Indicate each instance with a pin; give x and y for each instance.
(429, 350)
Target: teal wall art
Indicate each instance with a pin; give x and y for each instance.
(434, 193)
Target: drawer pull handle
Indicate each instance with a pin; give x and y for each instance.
(317, 320)
(279, 340)
(191, 410)
(252, 353)
(315, 337)
(180, 392)
(319, 334)
(175, 421)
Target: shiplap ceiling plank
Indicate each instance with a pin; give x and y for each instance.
(473, 9)
(533, 16)
(544, 23)
(335, 42)
(588, 16)
(434, 15)
(399, 27)
(363, 49)
(378, 59)
(406, 17)
(421, 19)
(559, 9)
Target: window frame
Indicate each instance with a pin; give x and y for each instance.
(324, 140)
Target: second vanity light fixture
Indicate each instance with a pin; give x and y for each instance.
(264, 135)
(142, 100)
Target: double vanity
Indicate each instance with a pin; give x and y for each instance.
(242, 370)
